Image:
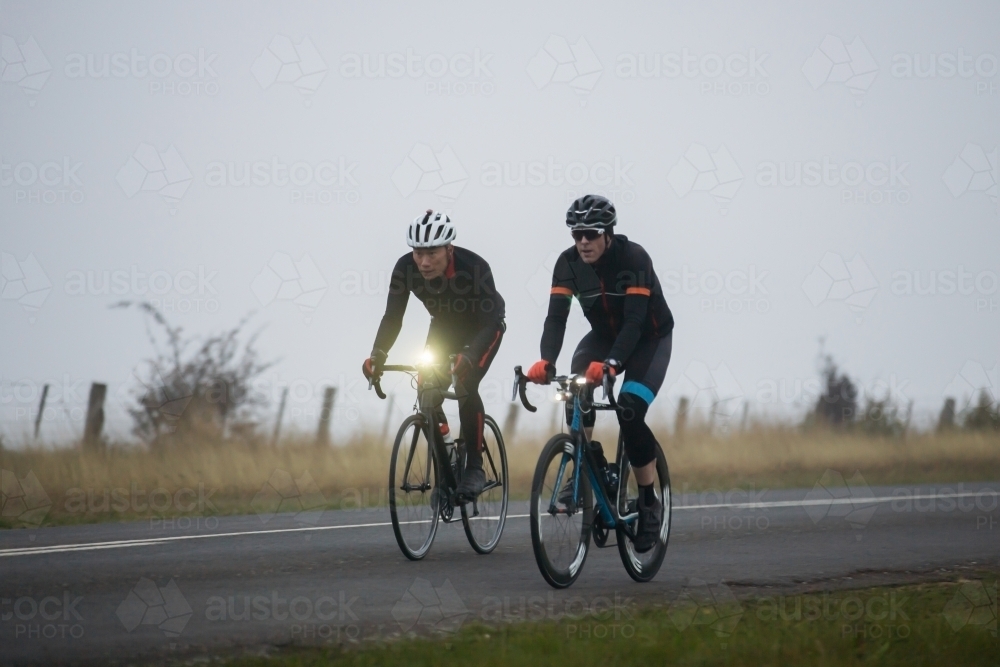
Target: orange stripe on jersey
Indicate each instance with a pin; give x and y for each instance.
(642, 291)
(564, 291)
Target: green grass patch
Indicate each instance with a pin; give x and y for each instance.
(929, 624)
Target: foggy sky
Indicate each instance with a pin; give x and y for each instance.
(795, 172)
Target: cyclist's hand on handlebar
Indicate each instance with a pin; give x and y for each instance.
(541, 372)
(372, 367)
(595, 372)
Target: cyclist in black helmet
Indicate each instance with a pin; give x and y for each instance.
(467, 319)
(631, 331)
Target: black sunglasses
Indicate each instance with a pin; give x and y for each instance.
(589, 234)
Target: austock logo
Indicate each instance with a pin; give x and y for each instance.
(732, 74)
(284, 61)
(975, 604)
(980, 69)
(23, 64)
(871, 182)
(701, 170)
(325, 182)
(43, 617)
(23, 281)
(149, 604)
(184, 75)
(973, 380)
(148, 390)
(425, 170)
(714, 390)
(851, 500)
(974, 170)
(50, 182)
(833, 279)
(23, 501)
(702, 604)
(286, 279)
(835, 62)
(281, 493)
(148, 170)
(558, 61)
(430, 608)
(456, 74)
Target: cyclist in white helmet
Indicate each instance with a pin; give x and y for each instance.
(467, 319)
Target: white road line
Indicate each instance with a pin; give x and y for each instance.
(121, 544)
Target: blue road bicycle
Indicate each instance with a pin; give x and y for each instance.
(573, 497)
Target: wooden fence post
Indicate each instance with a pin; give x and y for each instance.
(388, 417)
(41, 410)
(95, 417)
(277, 422)
(323, 434)
(681, 422)
(510, 423)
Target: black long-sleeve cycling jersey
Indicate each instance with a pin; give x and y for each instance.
(466, 308)
(620, 295)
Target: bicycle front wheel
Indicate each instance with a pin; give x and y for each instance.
(560, 528)
(413, 492)
(484, 529)
(642, 567)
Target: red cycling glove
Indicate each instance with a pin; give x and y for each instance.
(540, 372)
(595, 372)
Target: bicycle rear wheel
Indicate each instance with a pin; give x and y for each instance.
(560, 535)
(643, 567)
(413, 492)
(484, 530)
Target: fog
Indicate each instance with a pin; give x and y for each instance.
(796, 172)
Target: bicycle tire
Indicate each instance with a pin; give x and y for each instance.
(403, 525)
(643, 567)
(557, 575)
(491, 465)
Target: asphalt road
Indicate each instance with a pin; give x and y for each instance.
(155, 590)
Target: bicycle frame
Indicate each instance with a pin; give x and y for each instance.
(571, 387)
(430, 398)
(608, 510)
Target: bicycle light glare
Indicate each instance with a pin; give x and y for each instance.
(427, 358)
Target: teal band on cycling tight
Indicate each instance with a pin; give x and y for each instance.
(640, 390)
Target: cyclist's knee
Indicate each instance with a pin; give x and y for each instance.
(640, 443)
(631, 409)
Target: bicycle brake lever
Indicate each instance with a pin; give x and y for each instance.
(607, 384)
(521, 385)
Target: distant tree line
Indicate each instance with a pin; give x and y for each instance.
(838, 408)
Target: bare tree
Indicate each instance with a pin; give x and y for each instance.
(192, 386)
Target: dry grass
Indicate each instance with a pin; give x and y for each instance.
(355, 474)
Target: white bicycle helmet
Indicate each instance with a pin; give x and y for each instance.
(431, 230)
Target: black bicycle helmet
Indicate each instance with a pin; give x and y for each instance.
(591, 212)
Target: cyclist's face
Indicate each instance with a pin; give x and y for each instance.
(591, 251)
(432, 262)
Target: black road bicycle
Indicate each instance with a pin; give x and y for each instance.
(427, 467)
(568, 480)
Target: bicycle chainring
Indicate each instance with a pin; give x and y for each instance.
(600, 533)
